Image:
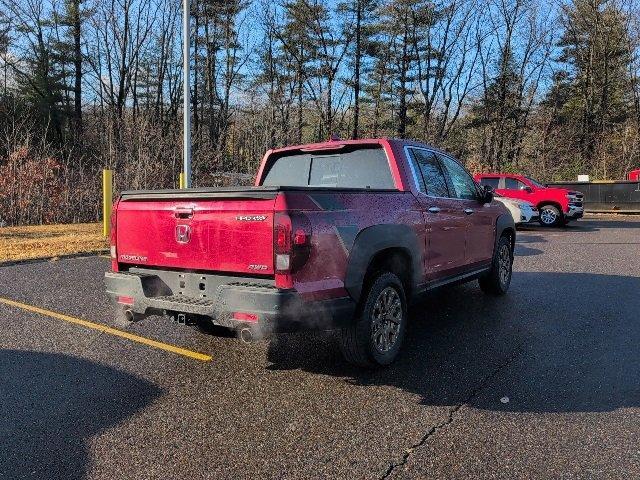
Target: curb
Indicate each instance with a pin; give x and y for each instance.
(92, 253)
(613, 212)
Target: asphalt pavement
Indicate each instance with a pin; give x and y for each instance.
(541, 383)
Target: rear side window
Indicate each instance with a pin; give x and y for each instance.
(490, 182)
(361, 168)
(429, 174)
(513, 184)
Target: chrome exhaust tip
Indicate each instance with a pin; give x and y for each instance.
(129, 315)
(246, 335)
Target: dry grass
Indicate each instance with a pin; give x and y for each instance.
(42, 241)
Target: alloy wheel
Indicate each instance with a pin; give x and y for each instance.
(548, 216)
(504, 265)
(386, 319)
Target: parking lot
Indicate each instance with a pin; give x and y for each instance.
(544, 382)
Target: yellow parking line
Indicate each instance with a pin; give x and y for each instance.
(105, 329)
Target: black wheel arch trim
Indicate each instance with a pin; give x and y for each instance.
(505, 223)
(553, 203)
(373, 240)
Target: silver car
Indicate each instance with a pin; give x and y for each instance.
(521, 210)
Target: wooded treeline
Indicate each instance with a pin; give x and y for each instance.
(516, 85)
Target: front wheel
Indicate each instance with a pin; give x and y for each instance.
(376, 336)
(497, 280)
(550, 216)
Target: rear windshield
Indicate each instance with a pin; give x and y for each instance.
(362, 168)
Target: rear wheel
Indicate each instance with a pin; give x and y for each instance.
(497, 280)
(550, 216)
(376, 336)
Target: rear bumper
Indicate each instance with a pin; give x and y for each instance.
(275, 310)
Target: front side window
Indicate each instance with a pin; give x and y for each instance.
(514, 184)
(535, 183)
(462, 183)
(429, 174)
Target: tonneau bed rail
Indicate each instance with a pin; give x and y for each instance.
(266, 193)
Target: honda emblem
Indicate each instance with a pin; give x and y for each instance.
(183, 233)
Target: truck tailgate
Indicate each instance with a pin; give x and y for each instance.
(223, 231)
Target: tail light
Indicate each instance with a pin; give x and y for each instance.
(291, 242)
(245, 317)
(112, 237)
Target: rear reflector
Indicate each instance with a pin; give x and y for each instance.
(125, 300)
(245, 317)
(300, 237)
(282, 261)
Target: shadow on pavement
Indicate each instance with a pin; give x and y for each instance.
(556, 343)
(51, 404)
(521, 239)
(582, 225)
(596, 224)
(523, 251)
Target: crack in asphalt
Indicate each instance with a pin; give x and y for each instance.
(452, 412)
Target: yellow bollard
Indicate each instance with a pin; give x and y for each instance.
(107, 200)
(181, 181)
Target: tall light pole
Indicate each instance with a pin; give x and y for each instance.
(186, 109)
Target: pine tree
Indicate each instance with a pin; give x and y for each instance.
(595, 53)
(41, 81)
(223, 65)
(397, 26)
(67, 54)
(5, 29)
(276, 77)
(363, 12)
(296, 38)
(498, 112)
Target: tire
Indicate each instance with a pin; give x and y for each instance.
(363, 346)
(550, 216)
(497, 280)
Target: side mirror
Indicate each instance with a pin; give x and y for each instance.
(486, 194)
(528, 189)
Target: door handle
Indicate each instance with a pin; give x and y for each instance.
(434, 210)
(468, 211)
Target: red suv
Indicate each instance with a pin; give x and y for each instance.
(557, 206)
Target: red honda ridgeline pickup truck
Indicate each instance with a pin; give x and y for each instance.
(336, 235)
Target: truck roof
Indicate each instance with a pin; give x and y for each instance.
(497, 174)
(338, 143)
(329, 144)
